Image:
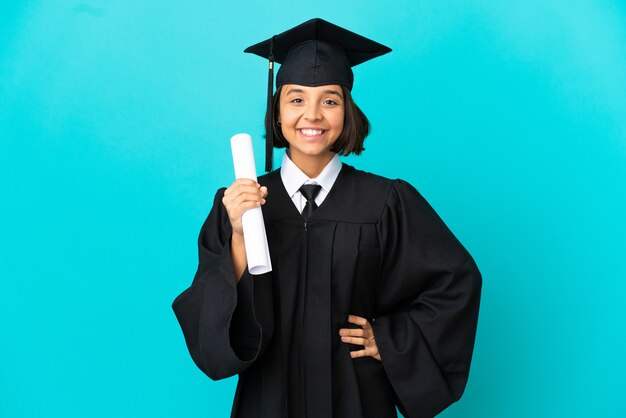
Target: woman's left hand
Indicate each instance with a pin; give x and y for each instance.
(363, 336)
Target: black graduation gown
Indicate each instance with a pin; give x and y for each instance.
(374, 248)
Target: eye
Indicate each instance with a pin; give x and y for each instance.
(296, 100)
(330, 102)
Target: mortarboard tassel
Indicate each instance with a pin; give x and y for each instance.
(269, 134)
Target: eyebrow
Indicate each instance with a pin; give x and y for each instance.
(335, 92)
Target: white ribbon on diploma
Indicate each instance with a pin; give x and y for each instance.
(254, 236)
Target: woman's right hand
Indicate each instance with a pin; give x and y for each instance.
(242, 195)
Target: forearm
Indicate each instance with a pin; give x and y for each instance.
(238, 255)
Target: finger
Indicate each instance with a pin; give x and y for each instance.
(249, 205)
(357, 320)
(235, 210)
(233, 205)
(247, 181)
(264, 191)
(245, 197)
(355, 340)
(241, 183)
(359, 353)
(352, 332)
(238, 190)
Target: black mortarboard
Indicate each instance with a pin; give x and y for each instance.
(314, 53)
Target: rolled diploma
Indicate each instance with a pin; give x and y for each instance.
(254, 236)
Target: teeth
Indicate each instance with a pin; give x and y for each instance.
(311, 132)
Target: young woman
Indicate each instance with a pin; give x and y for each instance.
(372, 303)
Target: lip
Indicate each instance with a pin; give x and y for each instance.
(311, 137)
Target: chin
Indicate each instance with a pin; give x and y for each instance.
(314, 151)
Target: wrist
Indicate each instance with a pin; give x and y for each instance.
(237, 238)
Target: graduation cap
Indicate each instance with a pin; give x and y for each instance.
(314, 53)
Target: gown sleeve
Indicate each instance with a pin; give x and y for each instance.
(226, 324)
(429, 294)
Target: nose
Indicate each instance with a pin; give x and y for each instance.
(312, 112)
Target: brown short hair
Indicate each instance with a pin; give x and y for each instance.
(356, 126)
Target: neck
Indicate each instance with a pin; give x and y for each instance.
(311, 165)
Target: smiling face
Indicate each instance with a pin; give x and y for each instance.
(311, 120)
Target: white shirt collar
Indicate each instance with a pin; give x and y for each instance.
(293, 177)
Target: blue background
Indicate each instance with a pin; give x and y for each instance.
(508, 116)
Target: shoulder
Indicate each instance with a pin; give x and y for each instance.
(218, 206)
(271, 178)
(384, 194)
(363, 193)
(383, 189)
(404, 193)
(360, 178)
